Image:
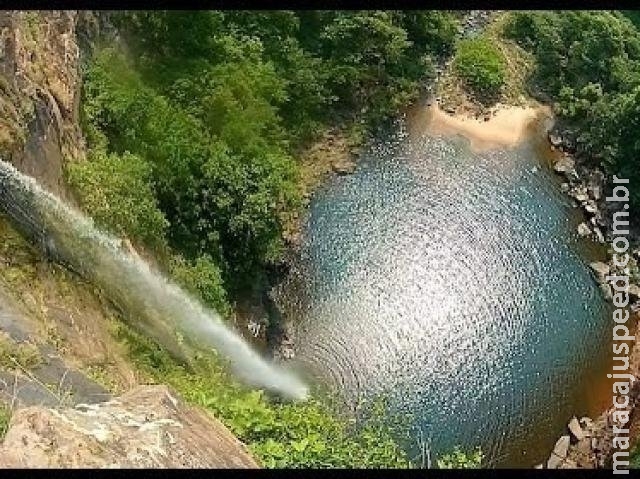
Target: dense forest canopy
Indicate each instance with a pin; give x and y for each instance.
(588, 63)
(211, 107)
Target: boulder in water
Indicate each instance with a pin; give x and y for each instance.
(584, 230)
(149, 427)
(564, 165)
(576, 429)
(559, 453)
(600, 269)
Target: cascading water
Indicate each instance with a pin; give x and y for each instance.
(161, 308)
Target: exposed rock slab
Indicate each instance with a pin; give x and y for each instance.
(576, 429)
(600, 269)
(149, 427)
(559, 453)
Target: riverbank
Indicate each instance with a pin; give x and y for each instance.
(590, 442)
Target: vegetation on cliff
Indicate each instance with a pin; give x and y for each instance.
(588, 63)
(216, 104)
(280, 434)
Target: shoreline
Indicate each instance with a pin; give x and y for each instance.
(586, 442)
(589, 442)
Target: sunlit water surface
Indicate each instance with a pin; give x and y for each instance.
(450, 283)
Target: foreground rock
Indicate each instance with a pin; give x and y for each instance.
(149, 427)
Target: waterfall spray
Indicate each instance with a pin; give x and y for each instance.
(160, 308)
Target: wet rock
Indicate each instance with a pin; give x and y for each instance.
(559, 453)
(564, 165)
(591, 207)
(149, 427)
(581, 197)
(564, 187)
(600, 269)
(584, 230)
(634, 292)
(576, 429)
(555, 140)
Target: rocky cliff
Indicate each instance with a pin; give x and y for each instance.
(40, 93)
(149, 427)
(59, 361)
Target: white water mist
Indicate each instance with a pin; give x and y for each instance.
(158, 306)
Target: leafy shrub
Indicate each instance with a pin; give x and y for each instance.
(481, 66)
(116, 191)
(5, 417)
(458, 459)
(15, 355)
(202, 278)
(304, 434)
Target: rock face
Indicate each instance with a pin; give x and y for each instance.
(149, 427)
(40, 93)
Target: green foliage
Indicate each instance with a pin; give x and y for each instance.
(15, 355)
(634, 458)
(589, 63)
(202, 278)
(458, 459)
(304, 434)
(215, 103)
(116, 191)
(481, 66)
(219, 168)
(5, 417)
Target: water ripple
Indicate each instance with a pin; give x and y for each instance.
(444, 280)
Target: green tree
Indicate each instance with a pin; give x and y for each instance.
(458, 459)
(202, 278)
(116, 191)
(481, 65)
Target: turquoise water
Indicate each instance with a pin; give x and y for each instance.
(450, 283)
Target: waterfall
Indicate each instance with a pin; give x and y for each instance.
(159, 307)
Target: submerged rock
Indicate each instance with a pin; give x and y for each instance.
(343, 167)
(606, 291)
(149, 427)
